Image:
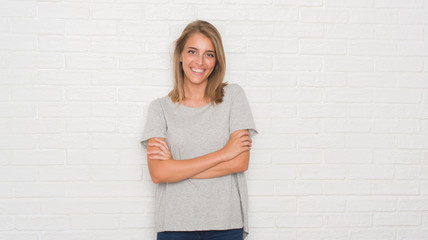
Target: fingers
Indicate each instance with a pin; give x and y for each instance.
(159, 146)
(162, 142)
(157, 152)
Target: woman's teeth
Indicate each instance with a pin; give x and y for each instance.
(197, 70)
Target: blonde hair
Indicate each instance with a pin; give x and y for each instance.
(214, 90)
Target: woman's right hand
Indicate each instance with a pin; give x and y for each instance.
(239, 142)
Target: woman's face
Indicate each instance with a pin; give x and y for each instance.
(197, 59)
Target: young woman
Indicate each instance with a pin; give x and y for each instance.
(198, 141)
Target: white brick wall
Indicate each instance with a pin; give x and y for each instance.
(338, 89)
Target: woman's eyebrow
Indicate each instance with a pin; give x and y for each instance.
(198, 49)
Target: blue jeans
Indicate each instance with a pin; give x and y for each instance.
(232, 234)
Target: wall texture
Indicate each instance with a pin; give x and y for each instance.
(338, 89)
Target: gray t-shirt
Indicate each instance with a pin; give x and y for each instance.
(200, 204)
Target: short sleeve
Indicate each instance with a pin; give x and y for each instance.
(155, 125)
(240, 113)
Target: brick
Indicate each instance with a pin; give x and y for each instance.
(323, 234)
(116, 173)
(117, 206)
(299, 220)
(125, 77)
(152, 61)
(92, 157)
(413, 48)
(350, 31)
(272, 46)
(323, 15)
(336, 125)
(372, 48)
(371, 233)
(116, 11)
(90, 61)
(348, 3)
(412, 16)
(396, 126)
(413, 80)
(299, 29)
(141, 28)
(262, 219)
(137, 221)
(276, 141)
(216, 13)
(171, 12)
(18, 9)
(349, 64)
(347, 187)
(63, 77)
(370, 141)
(299, 188)
(25, 43)
(314, 140)
(392, 95)
(65, 206)
(93, 222)
(382, 16)
(406, 64)
(394, 219)
(297, 63)
(37, 93)
(412, 233)
(45, 223)
(271, 78)
(393, 156)
(391, 187)
(348, 95)
(399, 4)
(322, 47)
(36, 60)
(271, 172)
(321, 204)
(279, 13)
(272, 204)
(88, 94)
(349, 220)
(399, 32)
(273, 110)
(18, 141)
(64, 110)
(249, 62)
(260, 188)
(322, 79)
(322, 110)
(301, 157)
(63, 44)
(62, 10)
(248, 29)
(40, 189)
(371, 172)
(281, 94)
(371, 204)
(372, 79)
(91, 27)
(39, 26)
(348, 156)
(141, 94)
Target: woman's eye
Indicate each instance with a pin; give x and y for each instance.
(210, 55)
(191, 52)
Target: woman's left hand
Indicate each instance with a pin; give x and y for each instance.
(162, 153)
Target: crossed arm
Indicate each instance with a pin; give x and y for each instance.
(232, 158)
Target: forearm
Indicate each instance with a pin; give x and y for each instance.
(238, 164)
(177, 170)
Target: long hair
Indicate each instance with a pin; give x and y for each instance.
(214, 90)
